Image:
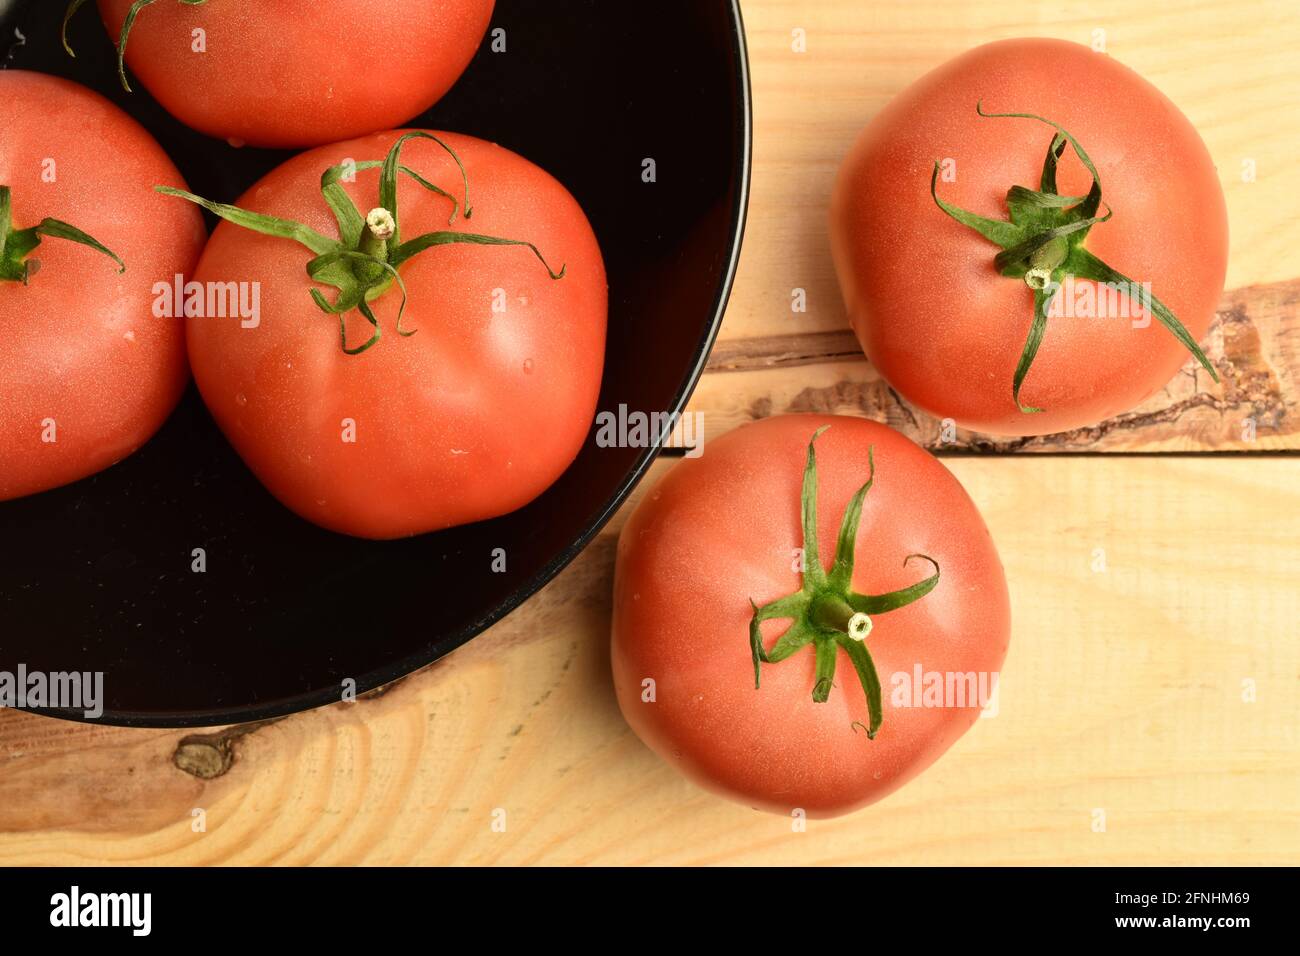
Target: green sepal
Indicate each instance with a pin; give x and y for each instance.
(68, 14)
(1042, 243)
(17, 244)
(996, 231)
(318, 266)
(388, 179)
(1042, 303)
(1028, 200)
(814, 576)
(827, 651)
(1092, 202)
(127, 24)
(1055, 150)
(360, 264)
(841, 576)
(865, 668)
(364, 308)
(1084, 265)
(880, 603)
(791, 606)
(430, 239)
(259, 222)
(822, 609)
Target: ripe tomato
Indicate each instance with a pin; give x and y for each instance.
(298, 72)
(724, 529)
(473, 399)
(954, 335)
(87, 372)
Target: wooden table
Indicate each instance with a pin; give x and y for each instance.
(1160, 691)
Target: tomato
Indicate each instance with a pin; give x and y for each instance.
(87, 371)
(298, 72)
(724, 529)
(475, 385)
(954, 332)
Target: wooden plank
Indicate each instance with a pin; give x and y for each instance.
(1146, 593)
(1255, 340)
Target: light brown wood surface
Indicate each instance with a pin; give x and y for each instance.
(1155, 658)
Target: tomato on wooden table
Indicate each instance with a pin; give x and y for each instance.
(88, 372)
(991, 277)
(771, 702)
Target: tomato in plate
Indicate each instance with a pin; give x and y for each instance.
(1030, 239)
(88, 371)
(295, 72)
(400, 360)
(776, 600)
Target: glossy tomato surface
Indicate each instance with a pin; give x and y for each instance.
(928, 305)
(723, 529)
(299, 72)
(473, 415)
(88, 372)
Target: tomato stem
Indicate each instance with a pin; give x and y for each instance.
(1042, 244)
(826, 612)
(380, 227)
(1044, 260)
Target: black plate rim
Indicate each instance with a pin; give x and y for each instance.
(410, 664)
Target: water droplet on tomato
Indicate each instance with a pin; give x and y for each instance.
(241, 399)
(528, 366)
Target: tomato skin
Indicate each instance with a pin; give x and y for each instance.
(928, 306)
(81, 346)
(300, 72)
(474, 415)
(725, 528)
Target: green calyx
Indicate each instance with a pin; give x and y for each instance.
(127, 24)
(826, 612)
(362, 264)
(17, 244)
(1042, 244)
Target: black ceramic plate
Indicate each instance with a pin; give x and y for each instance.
(96, 576)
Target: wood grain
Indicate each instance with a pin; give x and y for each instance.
(1155, 656)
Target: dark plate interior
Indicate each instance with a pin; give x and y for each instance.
(96, 576)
